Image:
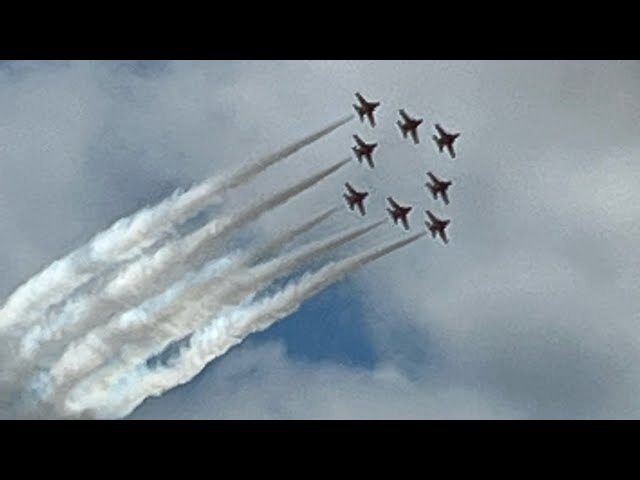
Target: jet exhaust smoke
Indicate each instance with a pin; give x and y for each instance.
(221, 334)
(277, 243)
(156, 330)
(151, 274)
(127, 237)
(230, 266)
(200, 197)
(248, 172)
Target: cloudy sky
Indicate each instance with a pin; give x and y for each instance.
(531, 311)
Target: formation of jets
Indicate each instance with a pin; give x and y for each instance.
(409, 128)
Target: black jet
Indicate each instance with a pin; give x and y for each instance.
(410, 126)
(363, 149)
(355, 198)
(366, 109)
(399, 213)
(438, 187)
(445, 140)
(437, 226)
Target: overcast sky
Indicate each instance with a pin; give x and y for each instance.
(531, 311)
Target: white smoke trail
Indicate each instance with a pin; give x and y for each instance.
(275, 245)
(149, 276)
(127, 237)
(198, 198)
(116, 399)
(156, 330)
(40, 384)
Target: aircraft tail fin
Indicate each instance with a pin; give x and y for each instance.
(358, 153)
(393, 215)
(370, 160)
(360, 111)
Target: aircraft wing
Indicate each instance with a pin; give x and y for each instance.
(361, 99)
(443, 236)
(414, 135)
(451, 151)
(358, 140)
(441, 130)
(372, 120)
(405, 224)
(431, 217)
(404, 116)
(369, 160)
(361, 207)
(350, 188)
(393, 203)
(445, 197)
(432, 177)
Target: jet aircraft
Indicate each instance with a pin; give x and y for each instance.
(445, 140)
(438, 187)
(437, 226)
(363, 149)
(355, 198)
(399, 213)
(366, 109)
(410, 126)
